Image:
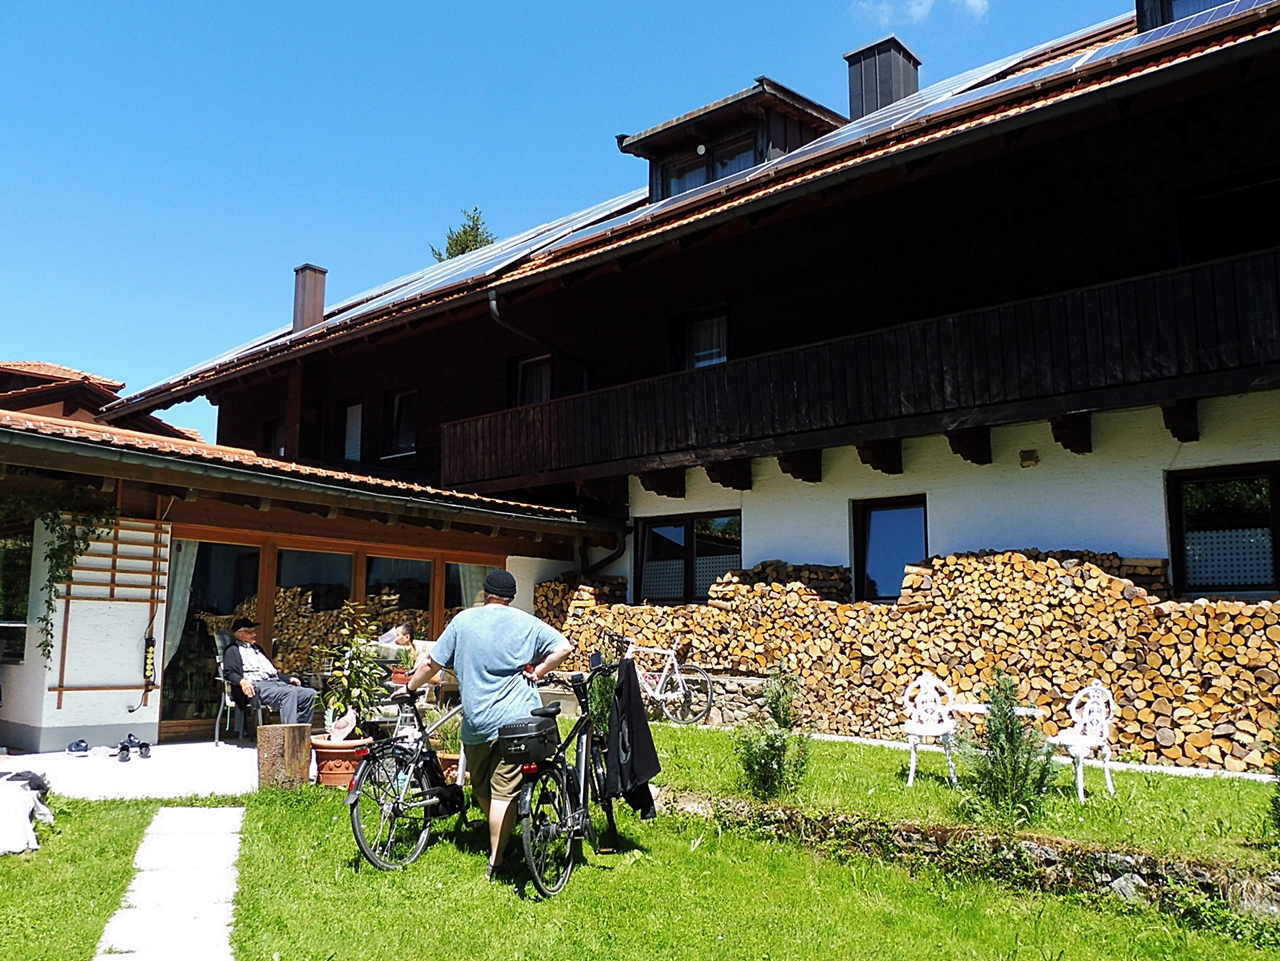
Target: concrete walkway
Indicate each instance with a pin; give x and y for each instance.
(172, 771)
(180, 901)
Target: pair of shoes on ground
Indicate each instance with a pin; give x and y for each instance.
(511, 856)
(121, 752)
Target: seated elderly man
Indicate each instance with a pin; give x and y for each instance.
(246, 666)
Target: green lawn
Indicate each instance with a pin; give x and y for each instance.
(1164, 814)
(55, 902)
(683, 891)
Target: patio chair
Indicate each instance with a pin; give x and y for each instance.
(927, 702)
(232, 702)
(1092, 709)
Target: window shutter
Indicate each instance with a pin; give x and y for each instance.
(351, 439)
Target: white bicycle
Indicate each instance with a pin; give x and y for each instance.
(683, 690)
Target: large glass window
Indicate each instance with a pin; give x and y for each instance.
(685, 176)
(1223, 524)
(210, 585)
(534, 380)
(311, 588)
(15, 589)
(398, 591)
(463, 587)
(681, 557)
(887, 536)
(732, 158)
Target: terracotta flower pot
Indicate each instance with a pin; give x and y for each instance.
(449, 764)
(399, 676)
(336, 761)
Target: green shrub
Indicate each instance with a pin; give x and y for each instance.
(1012, 766)
(780, 690)
(773, 758)
(600, 700)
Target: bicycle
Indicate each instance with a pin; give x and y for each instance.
(554, 798)
(399, 789)
(683, 690)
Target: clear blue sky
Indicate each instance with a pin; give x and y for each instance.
(165, 166)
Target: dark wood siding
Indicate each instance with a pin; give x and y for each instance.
(1217, 318)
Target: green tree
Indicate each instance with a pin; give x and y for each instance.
(471, 235)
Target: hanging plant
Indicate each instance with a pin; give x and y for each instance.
(73, 515)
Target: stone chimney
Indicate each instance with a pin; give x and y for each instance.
(879, 74)
(308, 296)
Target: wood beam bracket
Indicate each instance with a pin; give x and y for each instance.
(191, 496)
(882, 455)
(668, 483)
(972, 444)
(264, 503)
(1182, 419)
(803, 465)
(1074, 432)
(108, 485)
(733, 474)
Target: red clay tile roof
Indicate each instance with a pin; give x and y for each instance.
(235, 456)
(39, 368)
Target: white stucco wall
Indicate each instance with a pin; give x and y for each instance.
(530, 571)
(104, 648)
(1110, 500)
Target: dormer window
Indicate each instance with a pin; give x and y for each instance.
(727, 137)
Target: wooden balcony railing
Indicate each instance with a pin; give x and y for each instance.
(1172, 327)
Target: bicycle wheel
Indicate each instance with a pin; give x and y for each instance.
(598, 787)
(389, 832)
(546, 834)
(686, 694)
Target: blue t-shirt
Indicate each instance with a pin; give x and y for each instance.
(488, 648)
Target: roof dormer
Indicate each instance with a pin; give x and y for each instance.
(738, 132)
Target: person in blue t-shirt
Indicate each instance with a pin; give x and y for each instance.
(498, 654)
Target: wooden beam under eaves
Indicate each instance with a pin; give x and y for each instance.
(733, 474)
(1074, 432)
(667, 483)
(882, 455)
(971, 443)
(803, 465)
(1182, 419)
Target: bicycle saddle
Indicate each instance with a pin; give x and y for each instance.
(551, 710)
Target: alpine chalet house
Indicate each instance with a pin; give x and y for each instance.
(1035, 304)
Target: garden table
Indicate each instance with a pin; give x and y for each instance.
(962, 707)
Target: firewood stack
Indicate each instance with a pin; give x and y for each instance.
(554, 599)
(1195, 683)
(829, 583)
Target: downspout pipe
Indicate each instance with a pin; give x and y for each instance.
(608, 558)
(545, 345)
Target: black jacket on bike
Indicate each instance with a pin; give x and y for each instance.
(632, 759)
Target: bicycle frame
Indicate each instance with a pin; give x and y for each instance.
(669, 666)
(580, 735)
(416, 738)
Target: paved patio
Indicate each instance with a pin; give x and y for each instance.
(172, 771)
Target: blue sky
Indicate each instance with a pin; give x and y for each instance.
(165, 166)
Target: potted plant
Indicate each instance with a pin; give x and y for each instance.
(447, 741)
(404, 666)
(354, 685)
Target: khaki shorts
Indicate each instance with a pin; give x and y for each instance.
(491, 776)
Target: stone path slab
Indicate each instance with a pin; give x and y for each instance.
(180, 902)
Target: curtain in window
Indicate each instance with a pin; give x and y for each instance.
(182, 565)
(706, 343)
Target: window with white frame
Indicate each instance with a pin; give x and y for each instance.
(15, 589)
(706, 342)
(533, 380)
(403, 418)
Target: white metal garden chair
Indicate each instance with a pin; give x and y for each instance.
(927, 702)
(1092, 709)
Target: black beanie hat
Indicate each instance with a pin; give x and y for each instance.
(500, 583)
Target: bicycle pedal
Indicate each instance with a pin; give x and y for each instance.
(607, 851)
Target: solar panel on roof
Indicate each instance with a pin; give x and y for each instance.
(1178, 27)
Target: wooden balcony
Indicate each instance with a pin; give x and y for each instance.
(1158, 339)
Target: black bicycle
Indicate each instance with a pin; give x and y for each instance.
(554, 799)
(399, 790)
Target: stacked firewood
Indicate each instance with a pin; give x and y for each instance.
(831, 583)
(1195, 683)
(297, 627)
(554, 599)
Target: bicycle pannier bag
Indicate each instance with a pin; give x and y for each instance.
(534, 739)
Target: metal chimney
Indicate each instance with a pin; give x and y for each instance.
(879, 74)
(308, 296)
